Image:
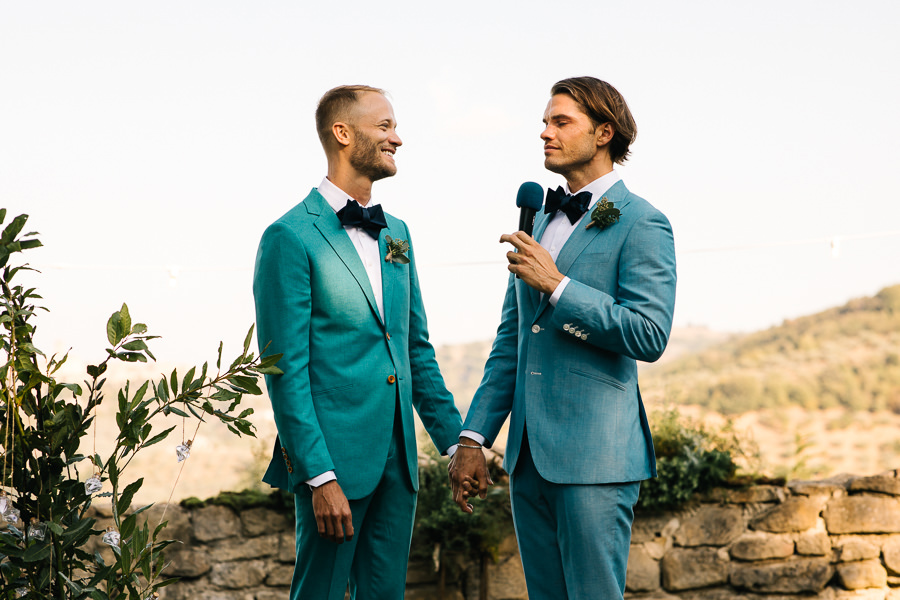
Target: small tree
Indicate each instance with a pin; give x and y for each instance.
(47, 485)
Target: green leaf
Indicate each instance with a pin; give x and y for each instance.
(112, 330)
(12, 230)
(128, 526)
(55, 527)
(135, 345)
(36, 552)
(219, 361)
(247, 383)
(138, 329)
(177, 411)
(127, 496)
(174, 382)
(96, 371)
(126, 320)
(139, 395)
(248, 339)
(158, 437)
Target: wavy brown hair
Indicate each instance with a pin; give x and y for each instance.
(603, 104)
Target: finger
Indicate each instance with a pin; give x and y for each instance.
(482, 486)
(320, 525)
(513, 239)
(329, 528)
(348, 526)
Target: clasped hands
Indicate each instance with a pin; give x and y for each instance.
(469, 475)
(531, 262)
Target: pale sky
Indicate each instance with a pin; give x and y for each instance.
(153, 142)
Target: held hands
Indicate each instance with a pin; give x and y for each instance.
(468, 475)
(333, 516)
(532, 263)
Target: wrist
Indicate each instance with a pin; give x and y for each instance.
(465, 442)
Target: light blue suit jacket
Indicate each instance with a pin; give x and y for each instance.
(569, 371)
(344, 366)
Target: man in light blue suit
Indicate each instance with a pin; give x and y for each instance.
(591, 293)
(337, 293)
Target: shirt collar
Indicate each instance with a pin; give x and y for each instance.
(335, 196)
(599, 186)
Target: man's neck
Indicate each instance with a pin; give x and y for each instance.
(355, 185)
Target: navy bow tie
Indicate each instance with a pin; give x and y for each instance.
(369, 219)
(573, 206)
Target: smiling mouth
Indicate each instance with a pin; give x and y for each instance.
(388, 152)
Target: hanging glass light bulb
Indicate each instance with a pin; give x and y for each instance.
(111, 537)
(183, 451)
(93, 485)
(12, 516)
(36, 530)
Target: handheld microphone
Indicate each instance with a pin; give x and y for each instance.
(529, 199)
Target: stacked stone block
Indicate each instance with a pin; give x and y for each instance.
(832, 540)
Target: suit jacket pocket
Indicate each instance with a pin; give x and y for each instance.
(600, 378)
(332, 390)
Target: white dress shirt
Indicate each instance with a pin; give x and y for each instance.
(555, 236)
(366, 246)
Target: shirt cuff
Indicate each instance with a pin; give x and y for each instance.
(452, 450)
(472, 435)
(554, 297)
(321, 479)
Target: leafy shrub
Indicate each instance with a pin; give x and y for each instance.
(690, 459)
(44, 498)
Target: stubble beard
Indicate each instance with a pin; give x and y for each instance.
(366, 158)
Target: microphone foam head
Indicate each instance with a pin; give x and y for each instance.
(531, 195)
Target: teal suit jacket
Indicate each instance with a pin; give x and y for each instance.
(344, 367)
(569, 371)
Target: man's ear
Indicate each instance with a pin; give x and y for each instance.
(343, 133)
(605, 133)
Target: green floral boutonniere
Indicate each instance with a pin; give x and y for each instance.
(604, 214)
(397, 250)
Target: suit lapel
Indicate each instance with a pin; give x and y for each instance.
(387, 270)
(582, 236)
(330, 227)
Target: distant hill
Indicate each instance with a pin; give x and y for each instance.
(847, 357)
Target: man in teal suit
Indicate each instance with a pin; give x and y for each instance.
(337, 293)
(595, 292)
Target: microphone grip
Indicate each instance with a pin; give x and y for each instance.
(526, 219)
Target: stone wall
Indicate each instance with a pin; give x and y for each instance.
(831, 539)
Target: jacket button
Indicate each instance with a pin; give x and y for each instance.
(535, 328)
(391, 379)
(387, 335)
(567, 326)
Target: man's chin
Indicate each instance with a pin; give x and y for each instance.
(554, 167)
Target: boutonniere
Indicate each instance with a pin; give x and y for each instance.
(397, 250)
(604, 214)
